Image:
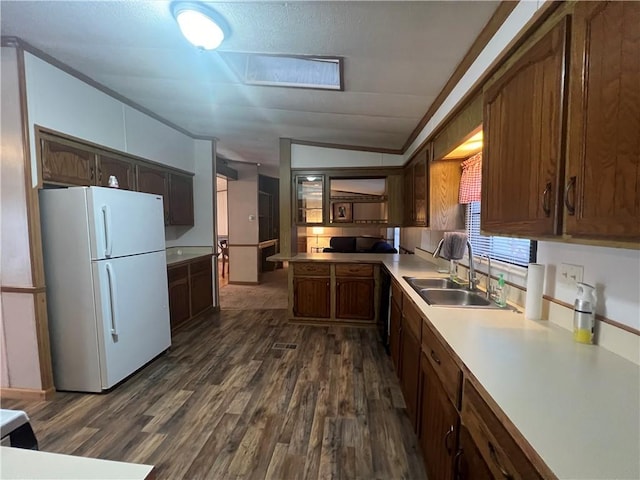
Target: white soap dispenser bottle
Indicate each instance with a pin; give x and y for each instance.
(584, 313)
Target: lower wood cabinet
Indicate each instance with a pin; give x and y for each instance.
(179, 296)
(190, 290)
(439, 422)
(411, 339)
(395, 334)
(496, 445)
(334, 291)
(468, 462)
(200, 276)
(311, 297)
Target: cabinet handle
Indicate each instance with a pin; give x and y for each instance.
(457, 464)
(494, 458)
(446, 439)
(99, 175)
(435, 357)
(545, 200)
(569, 190)
(92, 173)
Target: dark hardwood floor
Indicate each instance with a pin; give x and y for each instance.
(223, 403)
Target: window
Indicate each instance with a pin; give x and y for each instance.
(511, 250)
(298, 71)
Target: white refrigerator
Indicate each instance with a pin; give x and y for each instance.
(106, 279)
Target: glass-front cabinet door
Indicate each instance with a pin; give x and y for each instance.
(309, 199)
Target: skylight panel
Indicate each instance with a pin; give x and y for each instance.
(294, 71)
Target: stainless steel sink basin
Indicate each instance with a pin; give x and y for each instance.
(456, 298)
(420, 283)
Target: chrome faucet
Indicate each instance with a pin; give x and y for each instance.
(489, 289)
(473, 281)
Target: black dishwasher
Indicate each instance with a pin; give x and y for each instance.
(383, 317)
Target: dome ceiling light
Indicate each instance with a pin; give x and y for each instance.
(202, 26)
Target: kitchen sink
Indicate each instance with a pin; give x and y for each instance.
(455, 298)
(421, 283)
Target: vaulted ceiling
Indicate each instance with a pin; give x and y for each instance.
(398, 55)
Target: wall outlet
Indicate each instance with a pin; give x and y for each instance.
(570, 274)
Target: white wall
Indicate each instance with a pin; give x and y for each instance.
(18, 340)
(242, 195)
(615, 272)
(222, 210)
(305, 156)
(61, 102)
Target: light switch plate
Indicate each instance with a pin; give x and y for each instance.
(570, 274)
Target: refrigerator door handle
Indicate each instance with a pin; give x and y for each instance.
(106, 216)
(112, 300)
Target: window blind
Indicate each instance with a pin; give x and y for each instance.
(511, 250)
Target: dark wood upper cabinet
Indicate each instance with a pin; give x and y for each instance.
(180, 199)
(119, 168)
(523, 147)
(66, 164)
(409, 206)
(421, 188)
(603, 156)
(154, 180)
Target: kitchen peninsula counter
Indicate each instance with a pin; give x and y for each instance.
(576, 405)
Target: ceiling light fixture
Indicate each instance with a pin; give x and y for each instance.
(203, 27)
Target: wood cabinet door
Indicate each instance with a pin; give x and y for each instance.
(395, 336)
(410, 375)
(420, 188)
(66, 164)
(439, 422)
(523, 141)
(119, 168)
(311, 297)
(201, 286)
(180, 199)
(179, 307)
(602, 197)
(354, 298)
(154, 180)
(409, 206)
(469, 464)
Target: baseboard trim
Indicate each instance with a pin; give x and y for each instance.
(244, 283)
(7, 393)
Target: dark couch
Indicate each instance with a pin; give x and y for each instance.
(361, 244)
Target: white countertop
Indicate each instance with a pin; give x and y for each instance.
(17, 463)
(177, 255)
(577, 405)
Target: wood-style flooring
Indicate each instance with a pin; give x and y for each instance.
(223, 403)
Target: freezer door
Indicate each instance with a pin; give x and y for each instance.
(133, 313)
(124, 223)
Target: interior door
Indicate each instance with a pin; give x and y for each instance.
(132, 308)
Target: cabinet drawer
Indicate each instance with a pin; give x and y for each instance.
(412, 319)
(396, 293)
(177, 273)
(201, 266)
(443, 363)
(354, 270)
(319, 269)
(500, 451)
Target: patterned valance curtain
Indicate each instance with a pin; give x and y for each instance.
(471, 180)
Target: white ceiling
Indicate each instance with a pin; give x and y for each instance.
(398, 57)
